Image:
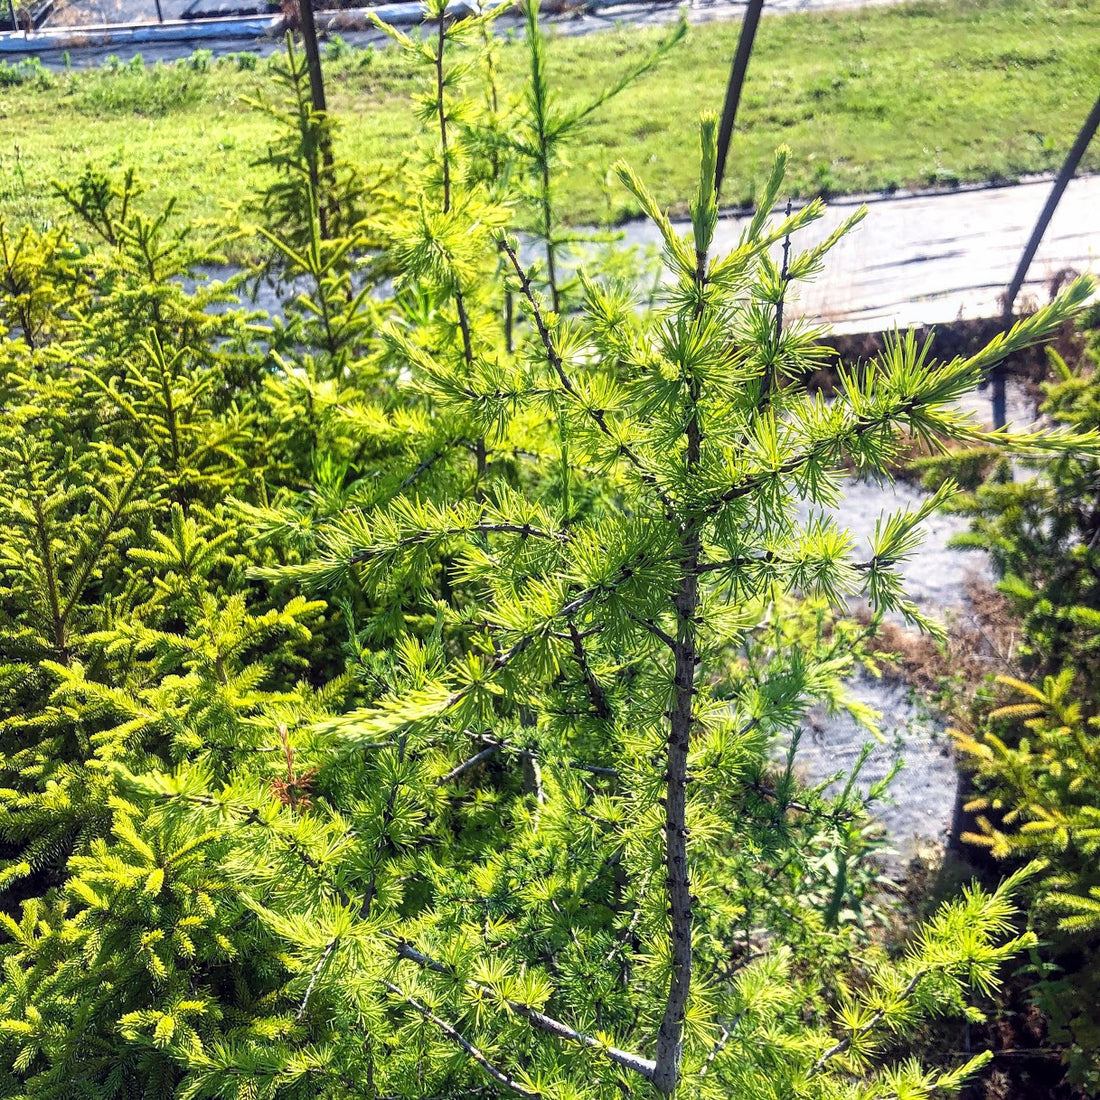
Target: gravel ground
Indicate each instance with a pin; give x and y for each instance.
(922, 796)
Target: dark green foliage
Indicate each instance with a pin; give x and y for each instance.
(133, 88)
(28, 70)
(310, 186)
(1036, 758)
(1042, 528)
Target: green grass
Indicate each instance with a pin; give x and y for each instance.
(931, 92)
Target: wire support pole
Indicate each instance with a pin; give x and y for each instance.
(738, 70)
(1061, 182)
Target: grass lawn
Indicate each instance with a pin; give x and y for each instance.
(931, 92)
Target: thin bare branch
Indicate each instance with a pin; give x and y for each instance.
(425, 465)
(842, 1045)
(635, 920)
(596, 694)
(473, 762)
(719, 1045)
(531, 760)
(523, 530)
(655, 630)
(784, 280)
(767, 558)
(594, 769)
(547, 1024)
(456, 1036)
(315, 975)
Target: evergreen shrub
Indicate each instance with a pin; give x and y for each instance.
(1036, 756)
(1042, 529)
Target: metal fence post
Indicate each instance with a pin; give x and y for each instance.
(733, 89)
(1061, 182)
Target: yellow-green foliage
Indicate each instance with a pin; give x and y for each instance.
(1042, 531)
(1037, 774)
(1040, 792)
(1036, 758)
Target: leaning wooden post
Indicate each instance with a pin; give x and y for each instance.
(1092, 123)
(326, 205)
(313, 56)
(14, 17)
(733, 90)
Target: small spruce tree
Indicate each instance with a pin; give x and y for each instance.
(1035, 753)
(1042, 530)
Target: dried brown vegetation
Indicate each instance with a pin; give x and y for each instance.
(980, 644)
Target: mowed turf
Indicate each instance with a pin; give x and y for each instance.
(926, 93)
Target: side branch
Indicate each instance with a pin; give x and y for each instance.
(774, 560)
(860, 428)
(598, 416)
(425, 465)
(539, 1020)
(331, 946)
(645, 1067)
(720, 1043)
(596, 694)
(527, 753)
(394, 710)
(473, 762)
(842, 1045)
(419, 538)
(656, 631)
(456, 1036)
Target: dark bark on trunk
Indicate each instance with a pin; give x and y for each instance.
(670, 1035)
(313, 56)
(325, 202)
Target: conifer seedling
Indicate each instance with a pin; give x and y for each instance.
(573, 776)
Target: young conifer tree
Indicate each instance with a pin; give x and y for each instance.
(130, 633)
(1036, 755)
(542, 130)
(118, 393)
(527, 864)
(1043, 531)
(553, 855)
(1036, 764)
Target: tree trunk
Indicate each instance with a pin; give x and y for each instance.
(326, 203)
(670, 1035)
